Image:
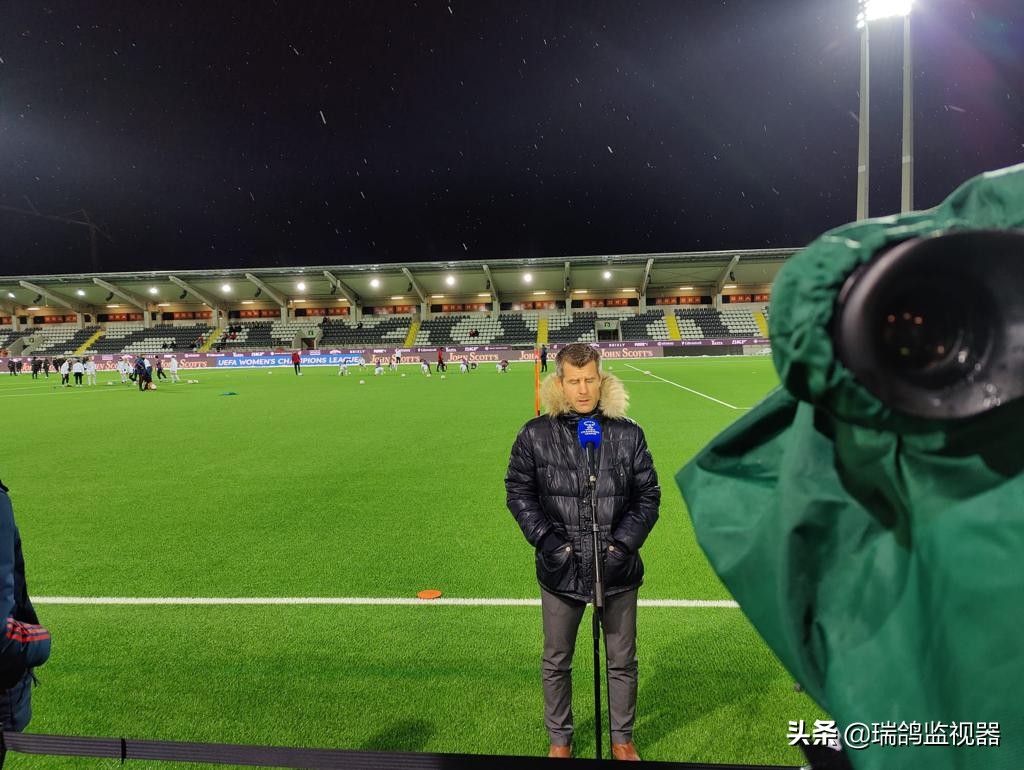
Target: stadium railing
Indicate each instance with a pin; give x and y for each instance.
(313, 759)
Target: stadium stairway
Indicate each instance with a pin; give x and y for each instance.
(542, 331)
(673, 325)
(410, 338)
(762, 323)
(212, 339)
(88, 343)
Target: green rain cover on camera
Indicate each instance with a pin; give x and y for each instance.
(881, 556)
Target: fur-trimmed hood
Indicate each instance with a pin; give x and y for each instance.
(613, 401)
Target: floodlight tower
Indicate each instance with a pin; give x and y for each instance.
(868, 11)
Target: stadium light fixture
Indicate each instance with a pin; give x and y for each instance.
(579, 291)
(248, 301)
(80, 292)
(685, 288)
(450, 280)
(152, 289)
(540, 292)
(31, 308)
(869, 11)
(729, 286)
(298, 300)
(872, 10)
(375, 283)
(607, 275)
(113, 306)
(397, 296)
(301, 286)
(226, 288)
(437, 296)
(485, 294)
(10, 294)
(163, 304)
(527, 278)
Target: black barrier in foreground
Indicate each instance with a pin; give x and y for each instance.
(311, 759)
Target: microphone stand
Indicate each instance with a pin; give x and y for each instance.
(598, 597)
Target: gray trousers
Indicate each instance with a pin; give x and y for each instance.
(562, 618)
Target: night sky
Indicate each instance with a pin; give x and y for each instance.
(217, 134)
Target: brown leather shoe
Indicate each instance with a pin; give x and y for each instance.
(560, 752)
(625, 752)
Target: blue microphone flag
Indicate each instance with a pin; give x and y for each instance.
(588, 431)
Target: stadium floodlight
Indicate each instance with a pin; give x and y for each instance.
(152, 289)
(579, 291)
(80, 292)
(375, 283)
(527, 278)
(485, 294)
(685, 288)
(450, 280)
(10, 294)
(607, 275)
(226, 288)
(300, 286)
(868, 11)
(873, 10)
(540, 292)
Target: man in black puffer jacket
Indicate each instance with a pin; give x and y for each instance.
(548, 494)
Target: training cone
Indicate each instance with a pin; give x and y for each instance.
(429, 593)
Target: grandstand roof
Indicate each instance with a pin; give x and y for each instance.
(668, 272)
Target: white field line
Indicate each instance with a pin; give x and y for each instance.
(84, 389)
(683, 387)
(347, 600)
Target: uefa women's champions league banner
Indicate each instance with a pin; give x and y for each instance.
(309, 358)
(353, 357)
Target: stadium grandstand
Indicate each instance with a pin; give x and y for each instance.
(684, 303)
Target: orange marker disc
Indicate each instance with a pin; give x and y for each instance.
(430, 593)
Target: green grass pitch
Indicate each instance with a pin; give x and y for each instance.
(320, 486)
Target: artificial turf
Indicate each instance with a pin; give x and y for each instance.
(319, 486)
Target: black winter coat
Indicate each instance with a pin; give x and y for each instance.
(548, 492)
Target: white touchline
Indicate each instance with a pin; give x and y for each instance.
(365, 600)
(691, 390)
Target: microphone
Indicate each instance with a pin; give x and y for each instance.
(588, 431)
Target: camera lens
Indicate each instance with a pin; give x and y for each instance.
(931, 335)
(934, 326)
